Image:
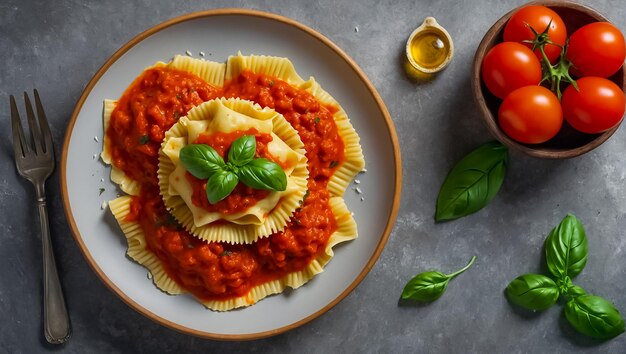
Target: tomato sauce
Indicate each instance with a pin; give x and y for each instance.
(213, 270)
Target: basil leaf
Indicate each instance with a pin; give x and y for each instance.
(473, 182)
(426, 287)
(566, 248)
(533, 292)
(220, 185)
(263, 174)
(429, 286)
(594, 316)
(242, 150)
(201, 160)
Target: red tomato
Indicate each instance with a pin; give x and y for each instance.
(531, 115)
(597, 106)
(537, 17)
(596, 49)
(509, 66)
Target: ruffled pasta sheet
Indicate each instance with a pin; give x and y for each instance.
(137, 250)
(346, 231)
(283, 69)
(209, 71)
(268, 215)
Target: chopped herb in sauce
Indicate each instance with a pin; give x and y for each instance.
(306, 194)
(316, 120)
(226, 253)
(334, 164)
(143, 140)
(169, 221)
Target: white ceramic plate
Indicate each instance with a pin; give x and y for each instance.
(218, 34)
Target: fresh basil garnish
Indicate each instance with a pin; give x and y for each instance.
(263, 174)
(594, 316)
(533, 292)
(473, 182)
(566, 248)
(566, 255)
(429, 286)
(242, 150)
(201, 160)
(220, 185)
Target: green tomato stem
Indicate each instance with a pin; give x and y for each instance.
(451, 276)
(555, 74)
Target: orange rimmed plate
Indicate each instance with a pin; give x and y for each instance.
(220, 33)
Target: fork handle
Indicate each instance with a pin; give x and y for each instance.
(57, 328)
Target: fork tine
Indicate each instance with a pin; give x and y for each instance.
(43, 125)
(19, 142)
(33, 127)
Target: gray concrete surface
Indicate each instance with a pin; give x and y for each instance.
(56, 46)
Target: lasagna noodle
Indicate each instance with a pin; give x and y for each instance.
(346, 231)
(267, 216)
(137, 250)
(283, 69)
(211, 72)
(354, 161)
(127, 184)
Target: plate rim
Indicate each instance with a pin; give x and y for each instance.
(231, 12)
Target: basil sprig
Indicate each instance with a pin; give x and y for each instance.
(473, 182)
(566, 257)
(429, 286)
(203, 162)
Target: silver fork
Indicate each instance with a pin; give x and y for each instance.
(34, 159)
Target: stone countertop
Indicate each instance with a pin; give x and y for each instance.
(56, 46)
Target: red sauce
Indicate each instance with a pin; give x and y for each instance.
(148, 108)
(220, 270)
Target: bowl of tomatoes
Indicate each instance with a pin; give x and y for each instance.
(549, 79)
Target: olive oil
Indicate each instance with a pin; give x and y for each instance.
(429, 49)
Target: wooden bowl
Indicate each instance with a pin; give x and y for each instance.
(568, 142)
